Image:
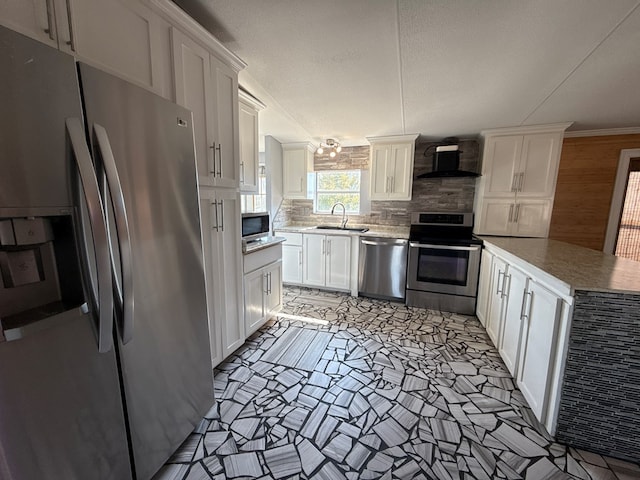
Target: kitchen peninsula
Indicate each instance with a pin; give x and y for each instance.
(566, 319)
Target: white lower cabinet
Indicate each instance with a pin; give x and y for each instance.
(527, 321)
(515, 285)
(326, 261)
(291, 257)
(484, 284)
(541, 314)
(262, 286)
(220, 219)
(496, 297)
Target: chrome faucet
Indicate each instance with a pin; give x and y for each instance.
(345, 219)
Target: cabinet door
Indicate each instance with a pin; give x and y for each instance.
(496, 296)
(212, 275)
(118, 36)
(192, 80)
(380, 156)
(495, 216)
(313, 259)
(291, 264)
(338, 261)
(539, 165)
(401, 172)
(515, 286)
(248, 118)
(228, 247)
(273, 299)
(501, 165)
(294, 173)
(225, 110)
(484, 287)
(537, 348)
(33, 18)
(532, 218)
(254, 293)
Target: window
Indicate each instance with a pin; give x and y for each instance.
(334, 186)
(258, 202)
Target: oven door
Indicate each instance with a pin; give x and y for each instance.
(451, 269)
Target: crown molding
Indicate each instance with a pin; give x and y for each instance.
(250, 100)
(394, 138)
(179, 18)
(527, 129)
(602, 132)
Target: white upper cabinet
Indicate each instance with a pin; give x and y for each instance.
(392, 167)
(514, 195)
(208, 88)
(118, 36)
(33, 18)
(297, 161)
(248, 119)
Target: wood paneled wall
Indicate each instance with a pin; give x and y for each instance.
(586, 178)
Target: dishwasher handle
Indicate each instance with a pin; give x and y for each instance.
(383, 242)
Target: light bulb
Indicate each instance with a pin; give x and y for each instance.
(339, 149)
(320, 150)
(332, 154)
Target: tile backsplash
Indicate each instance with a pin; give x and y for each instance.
(429, 194)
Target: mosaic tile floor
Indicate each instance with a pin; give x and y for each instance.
(373, 390)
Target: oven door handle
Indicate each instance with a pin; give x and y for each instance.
(444, 247)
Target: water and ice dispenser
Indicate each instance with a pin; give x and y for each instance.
(39, 273)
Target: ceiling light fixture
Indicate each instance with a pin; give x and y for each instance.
(332, 145)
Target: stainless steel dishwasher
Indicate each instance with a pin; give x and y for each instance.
(382, 267)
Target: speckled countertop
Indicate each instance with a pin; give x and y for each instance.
(374, 230)
(580, 268)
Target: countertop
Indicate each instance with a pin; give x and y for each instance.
(374, 231)
(260, 243)
(580, 268)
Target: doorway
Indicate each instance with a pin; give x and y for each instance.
(623, 232)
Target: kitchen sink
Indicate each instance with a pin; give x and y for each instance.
(348, 229)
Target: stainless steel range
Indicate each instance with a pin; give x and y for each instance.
(444, 262)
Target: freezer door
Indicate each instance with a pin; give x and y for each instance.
(144, 146)
(61, 413)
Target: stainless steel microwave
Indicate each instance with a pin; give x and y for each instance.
(255, 225)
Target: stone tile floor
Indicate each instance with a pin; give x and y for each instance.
(349, 388)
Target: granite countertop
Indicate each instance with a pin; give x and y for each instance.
(374, 230)
(580, 268)
(260, 243)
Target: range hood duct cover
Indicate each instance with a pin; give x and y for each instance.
(446, 161)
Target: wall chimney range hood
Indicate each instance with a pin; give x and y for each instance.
(446, 163)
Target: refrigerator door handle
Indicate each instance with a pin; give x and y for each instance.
(125, 294)
(103, 298)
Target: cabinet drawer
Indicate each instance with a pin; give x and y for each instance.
(292, 238)
(260, 258)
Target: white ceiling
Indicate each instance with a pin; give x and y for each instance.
(349, 69)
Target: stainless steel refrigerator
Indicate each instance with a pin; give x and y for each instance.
(104, 353)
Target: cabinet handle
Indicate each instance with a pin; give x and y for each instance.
(510, 213)
(393, 184)
(328, 247)
(219, 150)
(300, 257)
(71, 42)
(213, 147)
(221, 202)
(242, 173)
(505, 286)
(269, 283)
(301, 187)
(524, 316)
(520, 181)
(216, 227)
(49, 29)
(499, 284)
(514, 182)
(322, 252)
(517, 214)
(265, 283)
